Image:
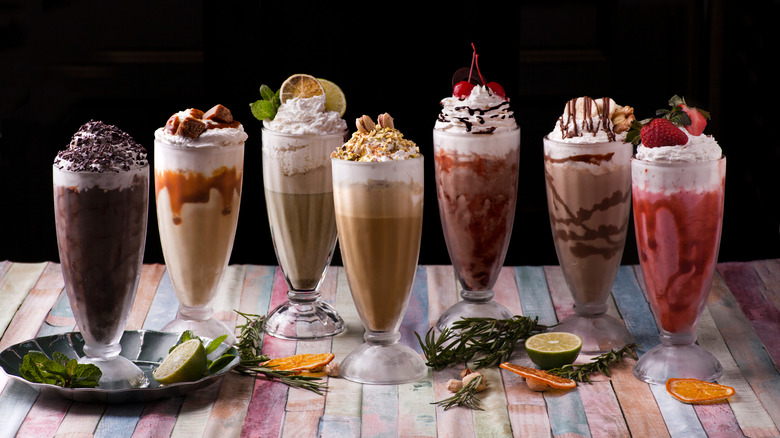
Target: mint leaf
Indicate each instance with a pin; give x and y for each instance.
(267, 93)
(213, 345)
(266, 107)
(60, 370)
(220, 363)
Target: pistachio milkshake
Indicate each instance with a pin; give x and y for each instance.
(199, 161)
(378, 195)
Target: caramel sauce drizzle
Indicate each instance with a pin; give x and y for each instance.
(194, 187)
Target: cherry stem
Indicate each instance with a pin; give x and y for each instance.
(473, 57)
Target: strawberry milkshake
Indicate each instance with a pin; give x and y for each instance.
(678, 182)
(476, 143)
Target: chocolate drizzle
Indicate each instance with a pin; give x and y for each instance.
(480, 114)
(570, 128)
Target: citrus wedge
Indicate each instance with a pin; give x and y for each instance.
(698, 391)
(553, 349)
(539, 380)
(301, 362)
(186, 363)
(300, 85)
(334, 97)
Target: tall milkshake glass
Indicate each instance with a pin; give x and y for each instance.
(476, 185)
(198, 191)
(678, 213)
(379, 210)
(100, 208)
(589, 200)
(299, 198)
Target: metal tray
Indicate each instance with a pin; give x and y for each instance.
(146, 348)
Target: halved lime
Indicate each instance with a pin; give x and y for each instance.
(553, 349)
(186, 363)
(334, 97)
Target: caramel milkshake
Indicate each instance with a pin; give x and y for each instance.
(378, 196)
(588, 179)
(199, 160)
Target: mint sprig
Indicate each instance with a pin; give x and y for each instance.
(59, 370)
(266, 107)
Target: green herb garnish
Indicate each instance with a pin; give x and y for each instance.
(250, 344)
(212, 366)
(491, 341)
(266, 107)
(465, 396)
(60, 370)
(599, 364)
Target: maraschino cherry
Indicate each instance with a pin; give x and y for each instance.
(462, 89)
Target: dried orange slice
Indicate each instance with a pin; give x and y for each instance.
(301, 362)
(539, 380)
(698, 391)
(300, 85)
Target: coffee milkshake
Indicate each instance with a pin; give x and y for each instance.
(588, 179)
(378, 195)
(101, 197)
(199, 159)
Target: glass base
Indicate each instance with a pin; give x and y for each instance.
(664, 362)
(205, 328)
(471, 309)
(383, 364)
(599, 334)
(309, 320)
(118, 373)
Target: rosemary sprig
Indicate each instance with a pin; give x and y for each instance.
(599, 364)
(465, 396)
(250, 344)
(490, 341)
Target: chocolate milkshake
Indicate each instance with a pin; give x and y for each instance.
(378, 196)
(199, 161)
(588, 179)
(101, 196)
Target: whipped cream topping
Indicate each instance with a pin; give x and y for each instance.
(698, 148)
(587, 120)
(215, 132)
(482, 112)
(302, 116)
(98, 147)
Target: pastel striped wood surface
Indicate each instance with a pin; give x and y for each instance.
(740, 326)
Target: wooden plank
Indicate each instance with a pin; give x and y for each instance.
(60, 318)
(164, 306)
(343, 406)
(229, 295)
(195, 412)
(265, 412)
(534, 294)
(14, 287)
(119, 420)
(769, 273)
(416, 317)
(17, 400)
(414, 403)
(82, 419)
(494, 419)
(745, 347)
(456, 421)
(144, 295)
(442, 291)
(751, 294)
(380, 411)
(158, 418)
(304, 408)
(4, 266)
(43, 419)
(507, 292)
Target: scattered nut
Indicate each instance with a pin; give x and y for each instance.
(535, 385)
(365, 124)
(454, 385)
(385, 121)
(465, 372)
(333, 369)
(622, 117)
(472, 376)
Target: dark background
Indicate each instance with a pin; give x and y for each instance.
(134, 63)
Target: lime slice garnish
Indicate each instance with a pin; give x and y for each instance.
(334, 97)
(186, 363)
(300, 85)
(553, 349)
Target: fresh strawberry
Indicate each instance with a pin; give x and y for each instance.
(662, 132)
(698, 121)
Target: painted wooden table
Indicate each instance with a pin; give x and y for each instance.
(741, 326)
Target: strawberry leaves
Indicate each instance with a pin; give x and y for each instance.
(694, 120)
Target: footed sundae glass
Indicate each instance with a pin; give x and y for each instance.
(589, 201)
(101, 232)
(678, 214)
(198, 198)
(379, 210)
(476, 186)
(299, 198)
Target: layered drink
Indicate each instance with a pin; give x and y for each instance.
(678, 197)
(297, 143)
(101, 198)
(199, 162)
(378, 184)
(588, 180)
(476, 144)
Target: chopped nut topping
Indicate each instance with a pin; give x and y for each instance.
(622, 117)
